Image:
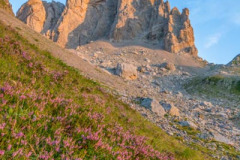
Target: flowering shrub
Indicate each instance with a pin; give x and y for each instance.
(48, 111)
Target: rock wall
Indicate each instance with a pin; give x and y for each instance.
(83, 21)
(41, 16)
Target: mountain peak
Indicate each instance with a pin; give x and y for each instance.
(150, 21)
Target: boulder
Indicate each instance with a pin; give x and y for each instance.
(188, 124)
(127, 71)
(154, 106)
(171, 109)
(169, 66)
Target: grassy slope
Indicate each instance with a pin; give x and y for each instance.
(49, 109)
(216, 86)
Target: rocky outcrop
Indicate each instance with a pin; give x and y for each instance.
(41, 16)
(54, 11)
(33, 14)
(154, 106)
(150, 21)
(84, 21)
(127, 71)
(235, 61)
(4, 4)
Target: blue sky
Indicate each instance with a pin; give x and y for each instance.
(216, 25)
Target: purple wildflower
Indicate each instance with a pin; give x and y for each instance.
(9, 147)
(2, 152)
(2, 126)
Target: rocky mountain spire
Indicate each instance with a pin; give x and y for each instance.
(40, 16)
(83, 21)
(33, 13)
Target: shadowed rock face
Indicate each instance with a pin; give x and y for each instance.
(83, 21)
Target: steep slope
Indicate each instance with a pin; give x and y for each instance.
(4, 4)
(149, 21)
(70, 116)
(235, 61)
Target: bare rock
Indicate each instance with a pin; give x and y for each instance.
(169, 66)
(171, 109)
(40, 15)
(188, 124)
(127, 71)
(54, 11)
(154, 106)
(180, 36)
(33, 14)
(83, 21)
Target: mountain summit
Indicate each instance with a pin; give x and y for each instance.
(83, 21)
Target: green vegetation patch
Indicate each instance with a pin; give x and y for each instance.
(213, 79)
(49, 111)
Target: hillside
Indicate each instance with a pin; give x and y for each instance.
(49, 110)
(119, 99)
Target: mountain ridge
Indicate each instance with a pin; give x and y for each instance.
(124, 20)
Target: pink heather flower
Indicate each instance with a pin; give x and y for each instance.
(30, 65)
(24, 142)
(15, 154)
(2, 126)
(19, 135)
(2, 152)
(29, 154)
(9, 147)
(27, 57)
(22, 97)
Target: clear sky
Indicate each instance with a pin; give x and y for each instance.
(216, 25)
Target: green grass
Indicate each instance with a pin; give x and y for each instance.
(49, 109)
(216, 86)
(213, 79)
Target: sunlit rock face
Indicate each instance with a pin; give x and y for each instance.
(41, 16)
(82, 21)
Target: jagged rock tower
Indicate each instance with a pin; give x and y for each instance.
(82, 21)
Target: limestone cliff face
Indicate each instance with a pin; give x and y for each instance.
(83, 21)
(40, 16)
(33, 13)
(54, 11)
(4, 4)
